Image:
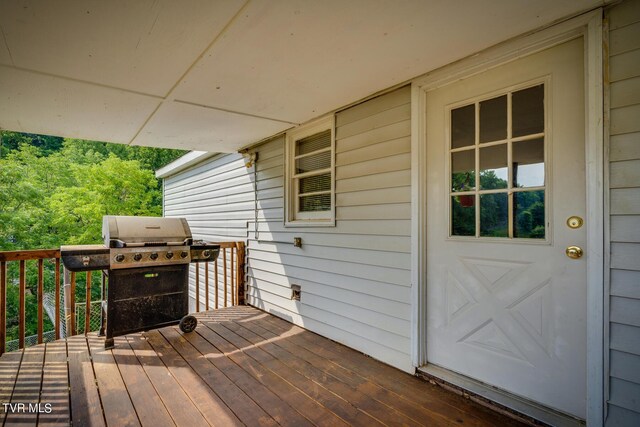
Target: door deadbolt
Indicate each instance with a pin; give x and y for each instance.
(575, 222)
(574, 252)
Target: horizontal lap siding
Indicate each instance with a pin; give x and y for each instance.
(624, 183)
(355, 277)
(217, 198)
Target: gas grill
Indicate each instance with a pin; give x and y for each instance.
(147, 262)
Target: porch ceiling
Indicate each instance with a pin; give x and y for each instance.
(219, 75)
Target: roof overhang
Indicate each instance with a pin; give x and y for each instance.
(216, 76)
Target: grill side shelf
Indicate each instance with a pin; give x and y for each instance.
(85, 257)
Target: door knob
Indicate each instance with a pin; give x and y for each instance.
(574, 252)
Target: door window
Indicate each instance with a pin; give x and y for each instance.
(497, 163)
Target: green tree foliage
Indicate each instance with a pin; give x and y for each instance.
(55, 191)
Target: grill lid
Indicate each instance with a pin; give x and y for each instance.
(132, 231)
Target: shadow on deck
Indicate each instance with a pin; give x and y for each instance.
(240, 367)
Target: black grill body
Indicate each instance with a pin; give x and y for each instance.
(140, 299)
(147, 264)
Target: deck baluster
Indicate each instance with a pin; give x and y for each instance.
(3, 306)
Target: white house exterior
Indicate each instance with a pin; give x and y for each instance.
(389, 266)
(463, 177)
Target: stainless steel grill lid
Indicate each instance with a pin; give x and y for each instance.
(133, 231)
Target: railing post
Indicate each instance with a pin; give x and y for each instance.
(87, 307)
(224, 268)
(21, 315)
(233, 287)
(197, 267)
(3, 306)
(40, 295)
(57, 303)
(70, 302)
(240, 272)
(215, 279)
(206, 288)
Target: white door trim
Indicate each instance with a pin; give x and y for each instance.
(588, 26)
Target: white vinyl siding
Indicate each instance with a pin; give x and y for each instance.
(217, 198)
(355, 276)
(624, 184)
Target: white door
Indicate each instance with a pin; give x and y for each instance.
(506, 170)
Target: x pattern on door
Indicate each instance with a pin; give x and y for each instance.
(509, 312)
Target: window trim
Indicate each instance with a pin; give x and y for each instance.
(293, 217)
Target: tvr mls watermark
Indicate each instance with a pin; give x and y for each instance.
(30, 408)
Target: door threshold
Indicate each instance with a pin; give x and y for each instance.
(514, 406)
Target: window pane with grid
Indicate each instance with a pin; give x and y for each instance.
(506, 149)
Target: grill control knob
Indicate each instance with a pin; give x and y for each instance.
(153, 255)
(169, 255)
(184, 254)
(119, 258)
(137, 256)
(206, 253)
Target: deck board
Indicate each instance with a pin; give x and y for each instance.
(9, 368)
(86, 407)
(113, 392)
(55, 385)
(27, 387)
(394, 403)
(240, 367)
(148, 405)
(212, 408)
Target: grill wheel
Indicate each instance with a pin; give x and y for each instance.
(188, 324)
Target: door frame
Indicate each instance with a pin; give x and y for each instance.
(589, 26)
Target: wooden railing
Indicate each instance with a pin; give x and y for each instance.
(227, 284)
(232, 259)
(38, 256)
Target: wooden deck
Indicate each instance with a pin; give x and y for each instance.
(240, 367)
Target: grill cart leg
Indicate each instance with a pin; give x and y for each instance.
(188, 324)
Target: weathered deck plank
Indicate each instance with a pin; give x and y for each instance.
(234, 397)
(9, 368)
(148, 405)
(279, 410)
(240, 367)
(27, 388)
(408, 387)
(86, 408)
(306, 405)
(360, 402)
(113, 391)
(363, 391)
(210, 405)
(180, 407)
(55, 386)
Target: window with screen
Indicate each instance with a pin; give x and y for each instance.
(310, 174)
(498, 181)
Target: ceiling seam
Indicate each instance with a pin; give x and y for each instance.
(87, 82)
(188, 70)
(203, 53)
(178, 101)
(145, 122)
(4, 38)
